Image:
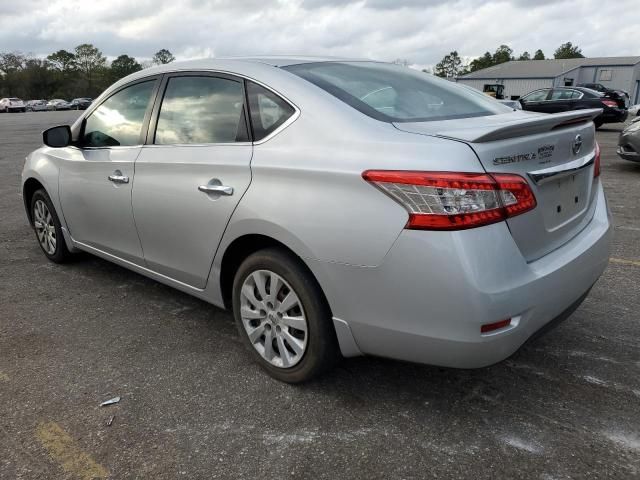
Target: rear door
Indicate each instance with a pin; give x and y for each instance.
(192, 173)
(559, 100)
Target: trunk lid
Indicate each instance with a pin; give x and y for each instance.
(554, 153)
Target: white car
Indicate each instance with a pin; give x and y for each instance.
(634, 110)
(11, 104)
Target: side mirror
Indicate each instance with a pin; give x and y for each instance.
(57, 137)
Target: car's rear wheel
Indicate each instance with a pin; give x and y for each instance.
(282, 316)
(47, 226)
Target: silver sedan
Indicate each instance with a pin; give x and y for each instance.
(629, 141)
(338, 207)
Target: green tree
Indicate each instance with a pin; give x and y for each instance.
(450, 66)
(163, 56)
(485, 61)
(124, 65)
(524, 56)
(502, 55)
(11, 65)
(567, 50)
(91, 64)
(39, 79)
(63, 61)
(539, 55)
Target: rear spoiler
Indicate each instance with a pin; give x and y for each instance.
(528, 125)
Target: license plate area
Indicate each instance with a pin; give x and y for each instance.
(564, 200)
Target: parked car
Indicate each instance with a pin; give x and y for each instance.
(337, 207)
(80, 103)
(629, 141)
(36, 105)
(58, 104)
(11, 104)
(634, 110)
(620, 96)
(564, 99)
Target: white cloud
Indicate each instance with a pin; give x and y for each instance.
(421, 31)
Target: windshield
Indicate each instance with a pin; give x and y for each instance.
(392, 93)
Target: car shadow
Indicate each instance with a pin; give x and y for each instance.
(356, 383)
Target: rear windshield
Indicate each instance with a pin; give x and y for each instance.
(392, 93)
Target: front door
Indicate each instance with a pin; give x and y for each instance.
(192, 174)
(97, 175)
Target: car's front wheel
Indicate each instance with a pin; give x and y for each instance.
(47, 227)
(283, 317)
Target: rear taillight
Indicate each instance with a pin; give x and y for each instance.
(596, 163)
(454, 201)
(610, 103)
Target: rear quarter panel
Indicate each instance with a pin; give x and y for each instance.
(307, 189)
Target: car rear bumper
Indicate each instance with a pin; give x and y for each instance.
(614, 115)
(428, 299)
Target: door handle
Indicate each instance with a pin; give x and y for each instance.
(219, 189)
(117, 177)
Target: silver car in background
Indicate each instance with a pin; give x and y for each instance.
(36, 106)
(629, 142)
(58, 104)
(339, 208)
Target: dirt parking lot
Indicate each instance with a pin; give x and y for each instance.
(194, 406)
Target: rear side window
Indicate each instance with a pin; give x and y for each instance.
(396, 94)
(118, 120)
(201, 110)
(537, 96)
(562, 95)
(268, 110)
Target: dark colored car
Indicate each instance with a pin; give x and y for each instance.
(563, 99)
(620, 96)
(80, 103)
(629, 142)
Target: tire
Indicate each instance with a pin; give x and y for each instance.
(49, 237)
(316, 348)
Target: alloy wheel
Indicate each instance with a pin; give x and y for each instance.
(45, 228)
(273, 318)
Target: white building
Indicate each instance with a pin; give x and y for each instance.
(523, 76)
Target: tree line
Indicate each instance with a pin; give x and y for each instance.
(82, 72)
(452, 66)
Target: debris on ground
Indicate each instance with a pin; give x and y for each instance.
(111, 401)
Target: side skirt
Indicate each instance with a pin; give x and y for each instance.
(202, 294)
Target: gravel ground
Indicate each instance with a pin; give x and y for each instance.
(194, 406)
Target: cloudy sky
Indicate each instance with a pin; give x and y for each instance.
(420, 31)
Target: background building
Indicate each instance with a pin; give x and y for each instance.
(523, 76)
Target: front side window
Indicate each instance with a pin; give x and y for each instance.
(201, 110)
(118, 120)
(268, 111)
(396, 94)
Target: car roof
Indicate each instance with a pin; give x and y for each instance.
(279, 60)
